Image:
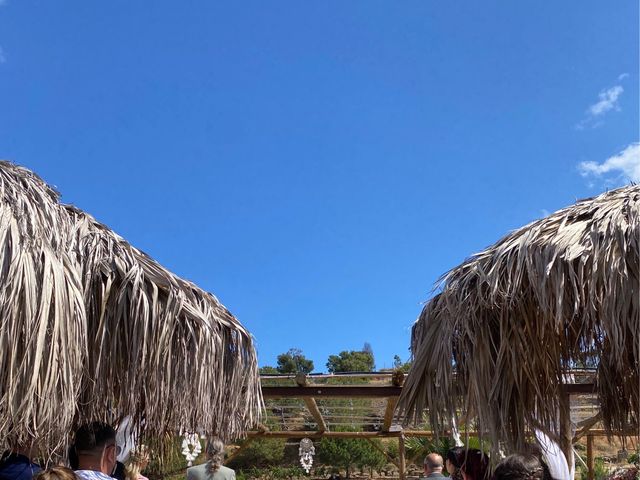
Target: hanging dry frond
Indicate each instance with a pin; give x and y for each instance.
(93, 328)
(511, 321)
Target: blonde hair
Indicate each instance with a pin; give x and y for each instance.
(138, 458)
(56, 473)
(215, 455)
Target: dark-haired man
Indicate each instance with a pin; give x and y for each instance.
(96, 450)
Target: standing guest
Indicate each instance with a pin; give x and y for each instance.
(56, 473)
(454, 460)
(17, 464)
(96, 450)
(433, 466)
(119, 472)
(213, 469)
(475, 465)
(137, 462)
(522, 467)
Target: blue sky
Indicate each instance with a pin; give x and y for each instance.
(318, 165)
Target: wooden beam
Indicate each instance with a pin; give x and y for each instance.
(239, 450)
(388, 413)
(586, 425)
(579, 388)
(324, 391)
(384, 452)
(372, 391)
(599, 432)
(402, 461)
(319, 434)
(590, 471)
(312, 406)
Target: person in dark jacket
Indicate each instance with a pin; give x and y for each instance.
(18, 464)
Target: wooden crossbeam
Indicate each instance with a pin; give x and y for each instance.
(384, 452)
(324, 391)
(371, 391)
(312, 406)
(586, 425)
(388, 413)
(318, 434)
(240, 449)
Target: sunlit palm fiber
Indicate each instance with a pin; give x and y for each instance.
(94, 328)
(510, 321)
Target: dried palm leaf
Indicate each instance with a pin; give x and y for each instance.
(511, 321)
(91, 328)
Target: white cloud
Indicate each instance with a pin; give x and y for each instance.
(607, 101)
(622, 76)
(625, 164)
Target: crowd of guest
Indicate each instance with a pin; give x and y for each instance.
(93, 455)
(473, 464)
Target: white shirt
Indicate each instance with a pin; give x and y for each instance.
(92, 475)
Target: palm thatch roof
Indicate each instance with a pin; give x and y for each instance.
(509, 323)
(91, 327)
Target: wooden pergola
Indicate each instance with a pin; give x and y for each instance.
(309, 393)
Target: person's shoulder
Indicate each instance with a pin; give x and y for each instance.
(91, 475)
(197, 471)
(197, 468)
(226, 472)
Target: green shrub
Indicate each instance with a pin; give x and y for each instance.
(263, 452)
(600, 470)
(348, 453)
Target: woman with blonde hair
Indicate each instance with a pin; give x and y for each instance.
(137, 462)
(213, 468)
(56, 473)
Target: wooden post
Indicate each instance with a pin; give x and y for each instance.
(566, 435)
(590, 472)
(388, 413)
(402, 463)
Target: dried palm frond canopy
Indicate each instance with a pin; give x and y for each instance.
(92, 328)
(512, 320)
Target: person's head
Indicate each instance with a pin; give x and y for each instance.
(522, 467)
(137, 462)
(454, 459)
(475, 465)
(95, 447)
(215, 454)
(432, 464)
(56, 473)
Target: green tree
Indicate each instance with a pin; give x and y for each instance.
(268, 370)
(348, 453)
(398, 364)
(351, 361)
(366, 348)
(294, 361)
